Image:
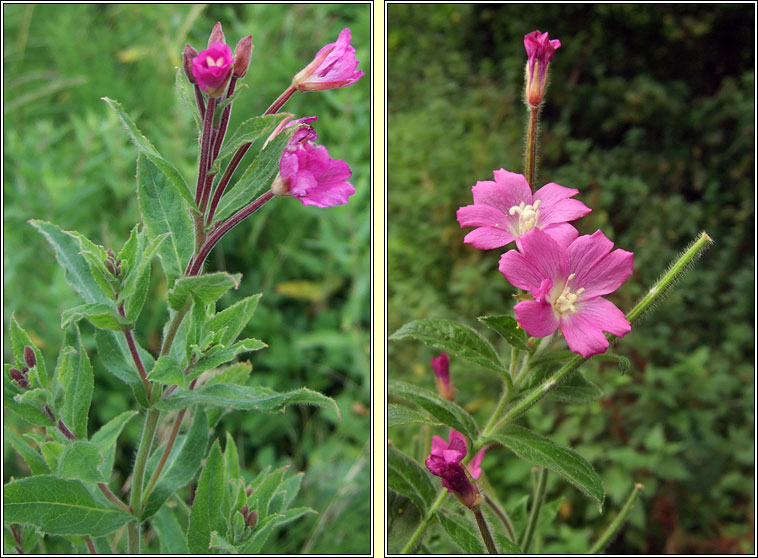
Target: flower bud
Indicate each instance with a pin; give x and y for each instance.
(217, 35)
(111, 267)
(29, 357)
(249, 491)
(540, 51)
(244, 511)
(242, 53)
(188, 55)
(252, 518)
(441, 366)
(445, 462)
(16, 375)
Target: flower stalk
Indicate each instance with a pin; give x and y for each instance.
(484, 530)
(530, 153)
(534, 513)
(617, 523)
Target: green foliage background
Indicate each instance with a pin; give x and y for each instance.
(650, 115)
(68, 161)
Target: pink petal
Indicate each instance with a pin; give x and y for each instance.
(584, 330)
(562, 211)
(563, 233)
(508, 190)
(584, 252)
(438, 446)
(475, 465)
(537, 318)
(552, 193)
(608, 274)
(520, 272)
(487, 238)
(544, 253)
(483, 216)
(458, 441)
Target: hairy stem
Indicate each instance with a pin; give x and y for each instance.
(617, 523)
(231, 167)
(534, 513)
(484, 530)
(205, 148)
(138, 476)
(279, 103)
(424, 522)
(135, 355)
(530, 156)
(503, 516)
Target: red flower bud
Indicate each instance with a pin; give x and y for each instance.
(188, 55)
(15, 374)
(252, 518)
(111, 267)
(29, 357)
(244, 512)
(249, 491)
(217, 35)
(242, 53)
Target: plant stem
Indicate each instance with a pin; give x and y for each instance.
(530, 156)
(135, 355)
(218, 233)
(90, 544)
(200, 102)
(675, 271)
(231, 167)
(219, 139)
(424, 522)
(172, 329)
(484, 530)
(138, 476)
(279, 103)
(502, 515)
(205, 148)
(534, 514)
(112, 497)
(617, 523)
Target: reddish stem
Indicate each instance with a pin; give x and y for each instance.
(279, 103)
(135, 355)
(219, 232)
(205, 148)
(233, 164)
(200, 102)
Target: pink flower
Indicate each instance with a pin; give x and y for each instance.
(445, 462)
(441, 366)
(506, 209)
(475, 465)
(566, 283)
(307, 173)
(540, 51)
(212, 68)
(334, 66)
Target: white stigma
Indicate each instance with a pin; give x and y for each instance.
(565, 303)
(528, 215)
(211, 62)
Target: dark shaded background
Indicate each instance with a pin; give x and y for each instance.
(650, 115)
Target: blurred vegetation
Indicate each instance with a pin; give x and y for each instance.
(650, 114)
(67, 160)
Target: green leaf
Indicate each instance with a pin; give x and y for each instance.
(148, 150)
(163, 212)
(184, 91)
(221, 355)
(51, 452)
(31, 457)
(19, 340)
(250, 130)
(462, 532)
(246, 398)
(507, 327)
(454, 338)
(181, 465)
(264, 528)
(205, 288)
(171, 535)
(205, 516)
(81, 460)
(259, 175)
(264, 492)
(59, 507)
(76, 269)
(288, 491)
(27, 404)
(574, 388)
(231, 458)
(115, 356)
(105, 439)
(543, 452)
(443, 410)
(104, 316)
(234, 318)
(408, 478)
(73, 384)
(167, 371)
(399, 415)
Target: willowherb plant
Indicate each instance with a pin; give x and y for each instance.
(561, 279)
(195, 375)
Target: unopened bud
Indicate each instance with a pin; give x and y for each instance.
(23, 383)
(252, 518)
(249, 491)
(242, 53)
(29, 357)
(244, 511)
(188, 55)
(111, 267)
(217, 35)
(110, 253)
(15, 374)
